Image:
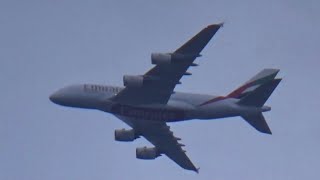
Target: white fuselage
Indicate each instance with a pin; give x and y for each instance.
(180, 107)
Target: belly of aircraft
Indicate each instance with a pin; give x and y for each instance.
(149, 113)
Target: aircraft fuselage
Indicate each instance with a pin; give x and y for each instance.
(180, 107)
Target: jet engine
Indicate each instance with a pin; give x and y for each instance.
(147, 153)
(124, 135)
(169, 58)
(133, 81)
(161, 58)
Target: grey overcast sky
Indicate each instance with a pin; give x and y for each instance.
(45, 45)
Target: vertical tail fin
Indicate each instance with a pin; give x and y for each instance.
(257, 91)
(260, 95)
(261, 78)
(253, 94)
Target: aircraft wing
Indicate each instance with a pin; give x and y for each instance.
(164, 77)
(159, 134)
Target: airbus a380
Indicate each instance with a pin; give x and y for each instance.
(148, 102)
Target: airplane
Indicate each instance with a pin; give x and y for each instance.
(148, 102)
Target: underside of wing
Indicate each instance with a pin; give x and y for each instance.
(157, 85)
(160, 135)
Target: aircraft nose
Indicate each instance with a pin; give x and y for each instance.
(58, 97)
(54, 97)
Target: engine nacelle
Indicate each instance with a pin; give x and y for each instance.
(161, 58)
(169, 58)
(124, 135)
(147, 153)
(133, 81)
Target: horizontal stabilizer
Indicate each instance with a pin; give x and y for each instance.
(258, 122)
(260, 95)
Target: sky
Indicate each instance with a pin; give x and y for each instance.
(46, 45)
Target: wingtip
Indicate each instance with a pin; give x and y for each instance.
(273, 69)
(268, 132)
(221, 24)
(197, 170)
(215, 25)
